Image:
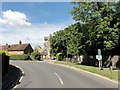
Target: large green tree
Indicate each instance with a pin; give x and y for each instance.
(97, 26)
(58, 42)
(102, 19)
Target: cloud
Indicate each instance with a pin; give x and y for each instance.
(33, 34)
(16, 27)
(14, 19)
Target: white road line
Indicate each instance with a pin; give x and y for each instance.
(59, 78)
(20, 77)
(89, 73)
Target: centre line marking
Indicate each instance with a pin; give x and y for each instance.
(59, 78)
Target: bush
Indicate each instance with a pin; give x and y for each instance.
(19, 57)
(59, 56)
(35, 55)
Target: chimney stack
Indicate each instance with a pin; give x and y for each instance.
(20, 42)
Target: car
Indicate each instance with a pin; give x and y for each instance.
(53, 58)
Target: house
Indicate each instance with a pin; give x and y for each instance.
(42, 51)
(4, 47)
(17, 48)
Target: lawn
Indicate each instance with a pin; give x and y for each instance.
(105, 72)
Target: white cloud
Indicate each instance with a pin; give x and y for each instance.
(20, 29)
(14, 18)
(33, 34)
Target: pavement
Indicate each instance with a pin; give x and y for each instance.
(41, 74)
(12, 78)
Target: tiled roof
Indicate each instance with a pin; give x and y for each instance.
(14, 47)
(4, 47)
(17, 47)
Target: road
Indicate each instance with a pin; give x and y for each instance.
(46, 75)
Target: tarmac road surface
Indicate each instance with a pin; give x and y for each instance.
(45, 75)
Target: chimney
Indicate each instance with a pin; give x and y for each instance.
(20, 42)
(8, 45)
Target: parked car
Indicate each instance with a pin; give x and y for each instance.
(53, 58)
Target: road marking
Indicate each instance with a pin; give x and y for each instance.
(20, 77)
(59, 78)
(88, 73)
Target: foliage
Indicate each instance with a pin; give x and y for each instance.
(103, 21)
(19, 56)
(97, 26)
(35, 55)
(58, 43)
(105, 72)
(6, 52)
(59, 56)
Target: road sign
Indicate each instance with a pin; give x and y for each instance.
(99, 52)
(99, 57)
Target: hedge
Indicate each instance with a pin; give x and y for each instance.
(19, 57)
(59, 56)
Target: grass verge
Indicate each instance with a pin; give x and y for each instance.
(105, 72)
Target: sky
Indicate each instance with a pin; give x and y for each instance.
(31, 21)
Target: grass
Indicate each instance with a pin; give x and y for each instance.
(105, 72)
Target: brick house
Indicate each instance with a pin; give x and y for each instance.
(17, 48)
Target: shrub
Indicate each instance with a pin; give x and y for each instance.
(19, 57)
(35, 55)
(59, 56)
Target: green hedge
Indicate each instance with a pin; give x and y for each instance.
(19, 57)
(59, 56)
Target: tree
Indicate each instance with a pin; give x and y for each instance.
(97, 26)
(102, 20)
(58, 42)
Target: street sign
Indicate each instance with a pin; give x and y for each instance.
(99, 57)
(99, 52)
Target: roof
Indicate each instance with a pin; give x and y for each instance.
(17, 47)
(14, 47)
(4, 47)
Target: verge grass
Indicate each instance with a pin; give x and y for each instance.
(111, 74)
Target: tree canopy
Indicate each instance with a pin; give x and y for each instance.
(97, 27)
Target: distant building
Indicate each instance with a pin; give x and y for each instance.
(47, 46)
(42, 51)
(17, 48)
(4, 47)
